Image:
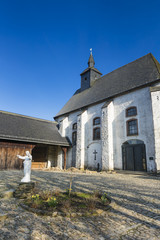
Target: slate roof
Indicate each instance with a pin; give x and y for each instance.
(139, 73)
(27, 129)
(95, 69)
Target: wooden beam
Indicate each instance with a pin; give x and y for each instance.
(65, 153)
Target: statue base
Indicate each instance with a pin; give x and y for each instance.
(23, 190)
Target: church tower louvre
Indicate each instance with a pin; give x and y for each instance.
(90, 74)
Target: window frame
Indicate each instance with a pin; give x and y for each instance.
(127, 127)
(129, 109)
(95, 119)
(94, 129)
(74, 124)
(74, 142)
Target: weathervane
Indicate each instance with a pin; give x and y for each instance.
(90, 50)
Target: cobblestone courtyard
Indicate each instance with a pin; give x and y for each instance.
(134, 215)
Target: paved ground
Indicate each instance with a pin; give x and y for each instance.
(135, 214)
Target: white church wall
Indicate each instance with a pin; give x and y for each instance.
(155, 95)
(81, 133)
(107, 136)
(72, 118)
(66, 130)
(91, 145)
(142, 100)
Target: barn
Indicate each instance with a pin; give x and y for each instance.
(19, 133)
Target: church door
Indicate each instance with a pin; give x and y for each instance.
(134, 157)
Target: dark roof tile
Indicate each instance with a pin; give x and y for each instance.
(22, 128)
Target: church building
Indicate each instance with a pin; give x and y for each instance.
(113, 121)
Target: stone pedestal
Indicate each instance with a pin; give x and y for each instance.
(23, 190)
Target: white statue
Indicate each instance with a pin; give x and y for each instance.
(27, 166)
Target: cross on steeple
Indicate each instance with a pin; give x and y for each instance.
(91, 60)
(95, 152)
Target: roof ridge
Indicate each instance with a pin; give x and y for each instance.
(136, 60)
(156, 62)
(25, 116)
(88, 68)
(30, 138)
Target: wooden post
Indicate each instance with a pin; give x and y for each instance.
(65, 153)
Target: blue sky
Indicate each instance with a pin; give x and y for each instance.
(44, 46)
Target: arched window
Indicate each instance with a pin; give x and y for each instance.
(74, 127)
(131, 111)
(96, 121)
(132, 127)
(96, 133)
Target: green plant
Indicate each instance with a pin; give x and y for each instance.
(97, 193)
(91, 203)
(52, 201)
(46, 194)
(68, 191)
(104, 198)
(35, 197)
(36, 200)
(83, 195)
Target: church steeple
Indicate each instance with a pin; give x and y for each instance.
(91, 60)
(89, 75)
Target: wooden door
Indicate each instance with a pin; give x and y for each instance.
(134, 158)
(139, 157)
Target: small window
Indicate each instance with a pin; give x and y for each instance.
(96, 134)
(132, 127)
(132, 111)
(85, 78)
(74, 127)
(74, 138)
(96, 121)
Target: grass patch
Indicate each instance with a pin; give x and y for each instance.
(68, 203)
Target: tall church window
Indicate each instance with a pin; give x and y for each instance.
(96, 133)
(96, 121)
(132, 127)
(74, 134)
(74, 138)
(131, 111)
(97, 129)
(74, 127)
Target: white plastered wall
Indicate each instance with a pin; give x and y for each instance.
(107, 136)
(91, 146)
(142, 100)
(155, 95)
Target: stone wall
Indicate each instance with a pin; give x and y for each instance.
(52, 156)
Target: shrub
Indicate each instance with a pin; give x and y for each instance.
(52, 201)
(104, 198)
